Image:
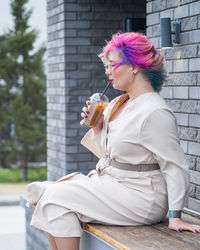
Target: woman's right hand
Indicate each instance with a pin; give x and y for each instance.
(84, 114)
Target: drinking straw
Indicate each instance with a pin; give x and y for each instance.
(104, 91)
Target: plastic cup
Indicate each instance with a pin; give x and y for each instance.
(98, 104)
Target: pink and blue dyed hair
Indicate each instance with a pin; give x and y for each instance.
(136, 50)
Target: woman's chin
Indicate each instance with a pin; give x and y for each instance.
(117, 87)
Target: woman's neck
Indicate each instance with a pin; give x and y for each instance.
(139, 86)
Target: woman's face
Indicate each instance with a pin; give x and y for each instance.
(121, 75)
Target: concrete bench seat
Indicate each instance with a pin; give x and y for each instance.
(157, 236)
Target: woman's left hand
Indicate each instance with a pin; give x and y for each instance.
(178, 225)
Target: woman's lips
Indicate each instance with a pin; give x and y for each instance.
(111, 81)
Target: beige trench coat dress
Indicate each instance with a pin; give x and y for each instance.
(145, 132)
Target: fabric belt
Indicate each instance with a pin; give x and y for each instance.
(131, 167)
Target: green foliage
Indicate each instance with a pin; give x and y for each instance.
(15, 175)
(22, 90)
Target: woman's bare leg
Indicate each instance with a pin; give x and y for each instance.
(67, 243)
(52, 242)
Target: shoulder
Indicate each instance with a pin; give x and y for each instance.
(155, 102)
(158, 115)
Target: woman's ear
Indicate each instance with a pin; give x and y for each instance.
(135, 70)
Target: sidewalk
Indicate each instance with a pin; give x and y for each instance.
(12, 218)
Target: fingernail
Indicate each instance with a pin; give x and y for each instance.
(180, 230)
(197, 231)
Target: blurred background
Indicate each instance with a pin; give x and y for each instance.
(22, 111)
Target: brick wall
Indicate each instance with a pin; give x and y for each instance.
(182, 91)
(77, 30)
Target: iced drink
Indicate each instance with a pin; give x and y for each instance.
(97, 107)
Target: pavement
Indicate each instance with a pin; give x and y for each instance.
(12, 218)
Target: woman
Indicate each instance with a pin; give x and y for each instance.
(140, 157)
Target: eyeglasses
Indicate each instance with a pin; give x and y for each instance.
(112, 66)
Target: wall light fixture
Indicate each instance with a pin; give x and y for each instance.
(165, 27)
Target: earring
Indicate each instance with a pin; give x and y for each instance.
(132, 77)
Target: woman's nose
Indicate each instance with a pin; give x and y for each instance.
(108, 71)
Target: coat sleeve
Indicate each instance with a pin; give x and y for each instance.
(159, 135)
(92, 142)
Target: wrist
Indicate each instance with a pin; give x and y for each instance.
(174, 214)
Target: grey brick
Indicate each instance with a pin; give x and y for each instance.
(87, 165)
(71, 83)
(70, 167)
(52, 4)
(156, 30)
(192, 190)
(53, 19)
(85, 15)
(189, 51)
(184, 38)
(194, 148)
(106, 7)
(158, 5)
(180, 92)
(194, 120)
(189, 23)
(77, 24)
(184, 146)
(194, 8)
(194, 92)
(78, 41)
(77, 7)
(70, 33)
(70, 16)
(194, 204)
(198, 164)
(181, 65)
(194, 64)
(187, 133)
(153, 19)
(78, 58)
(181, 11)
(90, 66)
(194, 176)
(71, 132)
(167, 13)
(182, 119)
(172, 53)
(183, 79)
(166, 92)
(71, 116)
(194, 36)
(84, 33)
(127, 7)
(112, 16)
(70, 50)
(70, 66)
(149, 31)
(197, 193)
(90, 1)
(191, 161)
(78, 74)
(169, 65)
(186, 1)
(149, 7)
(173, 3)
(108, 24)
(78, 157)
(183, 106)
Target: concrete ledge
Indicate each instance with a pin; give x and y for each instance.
(9, 200)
